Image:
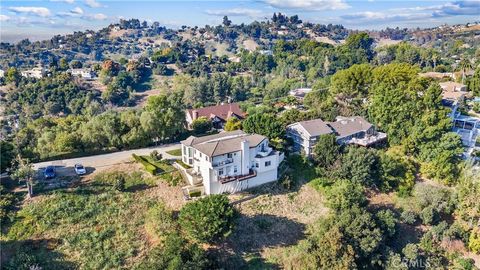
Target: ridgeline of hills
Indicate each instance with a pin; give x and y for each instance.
(133, 38)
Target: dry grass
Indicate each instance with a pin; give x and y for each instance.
(271, 219)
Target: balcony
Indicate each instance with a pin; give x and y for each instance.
(224, 162)
(227, 179)
(264, 152)
(368, 139)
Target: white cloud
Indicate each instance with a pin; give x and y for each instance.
(458, 8)
(4, 18)
(383, 17)
(66, 1)
(77, 10)
(38, 11)
(309, 5)
(93, 3)
(253, 13)
(99, 16)
(410, 14)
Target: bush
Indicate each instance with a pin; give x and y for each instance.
(208, 219)
(148, 166)
(201, 125)
(344, 194)
(176, 253)
(428, 215)
(409, 217)
(156, 156)
(119, 184)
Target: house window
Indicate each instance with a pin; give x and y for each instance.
(229, 155)
(206, 158)
(268, 163)
(235, 169)
(220, 172)
(256, 165)
(200, 154)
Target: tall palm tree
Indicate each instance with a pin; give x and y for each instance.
(464, 65)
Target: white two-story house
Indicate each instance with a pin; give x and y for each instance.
(230, 161)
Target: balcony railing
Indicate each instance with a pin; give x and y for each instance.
(224, 162)
(227, 179)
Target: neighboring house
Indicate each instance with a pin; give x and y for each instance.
(37, 73)
(437, 75)
(2, 73)
(305, 134)
(229, 161)
(82, 72)
(348, 130)
(453, 87)
(217, 114)
(453, 92)
(300, 93)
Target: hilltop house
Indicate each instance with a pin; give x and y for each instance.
(300, 93)
(217, 114)
(348, 130)
(84, 73)
(36, 72)
(229, 161)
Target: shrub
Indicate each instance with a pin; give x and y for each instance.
(409, 217)
(119, 184)
(208, 219)
(148, 167)
(156, 156)
(344, 194)
(201, 125)
(176, 253)
(474, 241)
(410, 251)
(387, 222)
(428, 215)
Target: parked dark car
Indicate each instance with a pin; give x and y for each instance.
(49, 172)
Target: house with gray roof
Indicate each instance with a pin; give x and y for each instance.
(347, 130)
(229, 161)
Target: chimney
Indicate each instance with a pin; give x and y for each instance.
(195, 114)
(245, 146)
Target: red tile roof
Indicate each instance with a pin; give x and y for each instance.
(221, 111)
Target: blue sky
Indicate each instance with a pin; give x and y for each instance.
(42, 19)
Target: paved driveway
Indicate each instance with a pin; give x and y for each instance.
(65, 167)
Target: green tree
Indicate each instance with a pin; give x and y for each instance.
(201, 125)
(359, 165)
(208, 219)
(26, 173)
(394, 104)
(442, 162)
(7, 155)
(345, 194)
(326, 150)
(12, 76)
(353, 82)
(163, 117)
(264, 124)
(233, 123)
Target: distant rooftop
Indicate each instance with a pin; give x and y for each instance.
(223, 111)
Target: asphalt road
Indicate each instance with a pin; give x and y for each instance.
(65, 167)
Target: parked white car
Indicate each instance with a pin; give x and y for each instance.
(79, 169)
